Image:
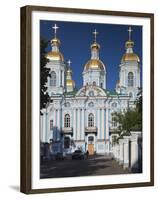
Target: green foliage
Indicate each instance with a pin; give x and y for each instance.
(131, 120)
(44, 73)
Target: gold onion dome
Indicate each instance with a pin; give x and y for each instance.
(55, 56)
(94, 64)
(130, 57)
(70, 83)
(55, 41)
(129, 44)
(95, 46)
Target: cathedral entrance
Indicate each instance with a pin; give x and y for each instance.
(66, 142)
(91, 145)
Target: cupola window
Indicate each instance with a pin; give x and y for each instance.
(53, 79)
(130, 79)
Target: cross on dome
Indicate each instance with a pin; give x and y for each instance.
(69, 62)
(55, 27)
(95, 35)
(130, 32)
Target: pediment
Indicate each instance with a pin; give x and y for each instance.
(91, 91)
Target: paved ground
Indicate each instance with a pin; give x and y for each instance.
(95, 165)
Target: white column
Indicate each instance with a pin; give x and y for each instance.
(83, 125)
(126, 152)
(55, 125)
(74, 126)
(63, 78)
(125, 81)
(44, 128)
(134, 152)
(117, 152)
(107, 128)
(103, 124)
(121, 151)
(58, 124)
(59, 78)
(41, 128)
(78, 125)
(98, 123)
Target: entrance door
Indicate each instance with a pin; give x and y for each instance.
(91, 149)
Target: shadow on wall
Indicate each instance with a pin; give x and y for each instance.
(137, 166)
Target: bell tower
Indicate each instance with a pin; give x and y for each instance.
(130, 70)
(56, 81)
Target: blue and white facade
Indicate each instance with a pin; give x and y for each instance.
(82, 119)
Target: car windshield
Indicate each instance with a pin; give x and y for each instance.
(77, 151)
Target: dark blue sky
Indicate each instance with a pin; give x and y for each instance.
(76, 39)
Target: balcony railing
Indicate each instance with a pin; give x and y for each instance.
(91, 129)
(67, 130)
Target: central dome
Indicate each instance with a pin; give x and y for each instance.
(94, 64)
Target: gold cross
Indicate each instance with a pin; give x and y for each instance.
(95, 35)
(69, 62)
(55, 27)
(130, 31)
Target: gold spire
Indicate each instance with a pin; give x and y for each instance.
(129, 55)
(55, 54)
(70, 84)
(55, 40)
(95, 35)
(55, 27)
(129, 32)
(69, 71)
(129, 43)
(94, 63)
(95, 45)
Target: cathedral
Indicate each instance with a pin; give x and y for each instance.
(82, 118)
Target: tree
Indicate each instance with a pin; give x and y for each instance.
(44, 74)
(131, 120)
(139, 100)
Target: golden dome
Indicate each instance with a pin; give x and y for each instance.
(129, 44)
(69, 71)
(130, 57)
(69, 83)
(55, 41)
(94, 64)
(56, 56)
(95, 46)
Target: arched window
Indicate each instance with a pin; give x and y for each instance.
(101, 85)
(114, 123)
(130, 79)
(67, 120)
(94, 83)
(53, 79)
(90, 120)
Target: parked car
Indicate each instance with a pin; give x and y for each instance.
(60, 156)
(78, 154)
